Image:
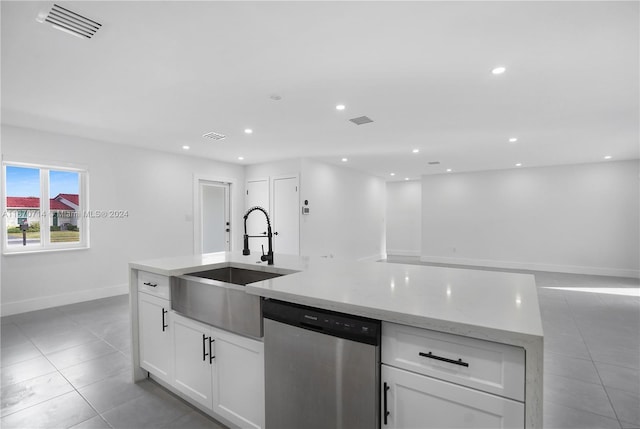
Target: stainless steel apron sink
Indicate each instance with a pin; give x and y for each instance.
(236, 276)
(217, 297)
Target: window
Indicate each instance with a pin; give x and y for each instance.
(44, 208)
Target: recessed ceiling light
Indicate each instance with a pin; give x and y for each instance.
(344, 160)
(275, 97)
(248, 131)
(240, 158)
(416, 150)
(392, 174)
(518, 165)
(608, 157)
(406, 178)
(513, 140)
(448, 170)
(499, 70)
(340, 107)
(185, 147)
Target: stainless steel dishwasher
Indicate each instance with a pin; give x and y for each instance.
(322, 369)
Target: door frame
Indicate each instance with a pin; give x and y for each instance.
(272, 193)
(197, 208)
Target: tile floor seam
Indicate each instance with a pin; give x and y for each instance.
(80, 394)
(29, 379)
(580, 331)
(592, 412)
(40, 350)
(33, 405)
(64, 377)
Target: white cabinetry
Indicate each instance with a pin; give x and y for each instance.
(155, 335)
(436, 380)
(238, 379)
(192, 374)
(220, 370)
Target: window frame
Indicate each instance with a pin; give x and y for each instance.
(46, 222)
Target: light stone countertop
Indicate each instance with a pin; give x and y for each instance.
(494, 306)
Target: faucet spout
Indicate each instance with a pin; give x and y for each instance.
(245, 251)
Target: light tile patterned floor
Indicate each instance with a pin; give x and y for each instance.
(69, 367)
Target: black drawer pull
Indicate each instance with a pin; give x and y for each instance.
(150, 284)
(164, 324)
(386, 412)
(211, 355)
(204, 347)
(432, 356)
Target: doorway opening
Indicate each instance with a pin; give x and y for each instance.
(213, 213)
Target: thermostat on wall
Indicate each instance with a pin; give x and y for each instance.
(305, 210)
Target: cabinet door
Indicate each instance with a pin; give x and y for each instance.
(156, 347)
(238, 379)
(192, 355)
(417, 401)
(286, 215)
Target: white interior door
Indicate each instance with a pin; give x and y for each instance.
(214, 216)
(286, 217)
(257, 194)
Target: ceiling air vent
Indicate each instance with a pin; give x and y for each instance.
(361, 120)
(214, 136)
(70, 22)
(434, 162)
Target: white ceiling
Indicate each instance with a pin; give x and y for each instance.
(161, 74)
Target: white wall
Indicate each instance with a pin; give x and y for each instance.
(347, 208)
(155, 187)
(347, 212)
(273, 169)
(404, 218)
(571, 218)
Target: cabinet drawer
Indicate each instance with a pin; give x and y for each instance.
(154, 284)
(483, 365)
(410, 400)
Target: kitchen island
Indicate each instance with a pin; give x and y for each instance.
(496, 308)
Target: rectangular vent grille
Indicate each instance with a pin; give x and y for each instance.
(361, 120)
(214, 136)
(72, 22)
(434, 162)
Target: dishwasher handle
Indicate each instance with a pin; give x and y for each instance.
(311, 326)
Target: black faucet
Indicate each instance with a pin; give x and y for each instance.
(269, 256)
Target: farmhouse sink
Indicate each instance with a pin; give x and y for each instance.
(218, 297)
(236, 276)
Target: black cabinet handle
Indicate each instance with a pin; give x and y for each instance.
(386, 412)
(150, 284)
(204, 347)
(211, 355)
(164, 324)
(443, 359)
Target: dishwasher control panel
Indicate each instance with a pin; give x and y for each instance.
(343, 325)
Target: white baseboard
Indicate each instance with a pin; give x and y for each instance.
(373, 258)
(399, 252)
(573, 269)
(15, 307)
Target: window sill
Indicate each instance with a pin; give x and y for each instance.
(32, 251)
